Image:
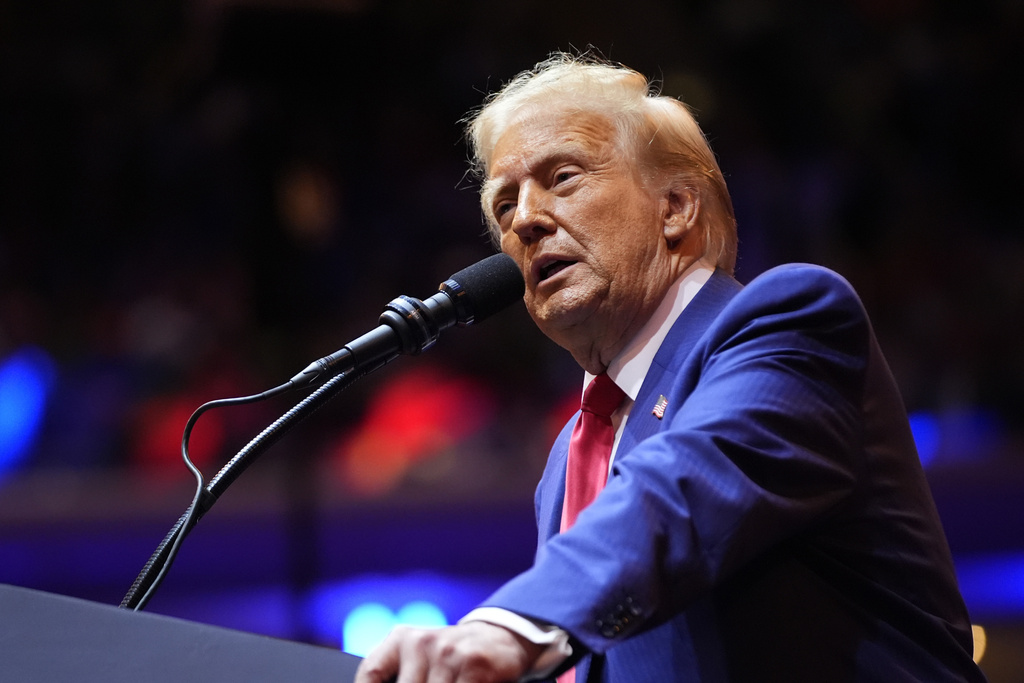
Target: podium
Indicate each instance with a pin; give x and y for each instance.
(54, 638)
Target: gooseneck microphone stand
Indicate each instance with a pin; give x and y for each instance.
(408, 326)
(159, 563)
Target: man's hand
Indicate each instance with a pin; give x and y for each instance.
(473, 652)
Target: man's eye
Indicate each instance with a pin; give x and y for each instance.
(503, 208)
(565, 175)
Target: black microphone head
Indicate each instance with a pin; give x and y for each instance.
(484, 288)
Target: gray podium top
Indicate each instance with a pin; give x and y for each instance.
(54, 638)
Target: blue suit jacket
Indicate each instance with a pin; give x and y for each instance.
(773, 525)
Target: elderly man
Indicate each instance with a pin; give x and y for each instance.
(753, 508)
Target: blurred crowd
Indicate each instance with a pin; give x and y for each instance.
(200, 197)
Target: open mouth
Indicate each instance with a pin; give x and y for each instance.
(553, 268)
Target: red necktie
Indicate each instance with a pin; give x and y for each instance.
(590, 449)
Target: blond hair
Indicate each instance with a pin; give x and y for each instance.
(659, 132)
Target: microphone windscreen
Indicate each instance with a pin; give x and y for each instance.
(485, 288)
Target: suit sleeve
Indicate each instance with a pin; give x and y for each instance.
(760, 443)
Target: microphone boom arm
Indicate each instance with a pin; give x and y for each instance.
(408, 326)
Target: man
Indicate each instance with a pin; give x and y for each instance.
(765, 516)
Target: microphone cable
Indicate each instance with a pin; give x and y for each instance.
(407, 326)
(159, 563)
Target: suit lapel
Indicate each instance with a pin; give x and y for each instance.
(691, 325)
(686, 331)
(551, 489)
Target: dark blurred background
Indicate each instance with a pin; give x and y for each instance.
(200, 197)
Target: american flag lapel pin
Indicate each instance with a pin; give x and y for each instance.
(659, 407)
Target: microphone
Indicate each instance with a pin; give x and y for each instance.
(410, 326)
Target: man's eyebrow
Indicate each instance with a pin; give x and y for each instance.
(491, 188)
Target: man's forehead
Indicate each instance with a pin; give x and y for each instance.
(535, 136)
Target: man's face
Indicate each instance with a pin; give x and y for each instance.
(573, 211)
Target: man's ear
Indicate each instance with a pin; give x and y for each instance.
(681, 209)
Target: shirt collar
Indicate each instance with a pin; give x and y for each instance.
(630, 367)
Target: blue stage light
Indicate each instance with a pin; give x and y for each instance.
(25, 381)
(925, 428)
(369, 623)
(356, 614)
(993, 584)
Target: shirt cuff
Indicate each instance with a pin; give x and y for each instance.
(556, 641)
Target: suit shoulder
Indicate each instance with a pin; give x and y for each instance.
(802, 276)
(806, 300)
(803, 285)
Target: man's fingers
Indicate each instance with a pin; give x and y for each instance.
(381, 665)
(475, 652)
(418, 657)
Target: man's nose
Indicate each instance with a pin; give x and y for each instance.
(533, 219)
